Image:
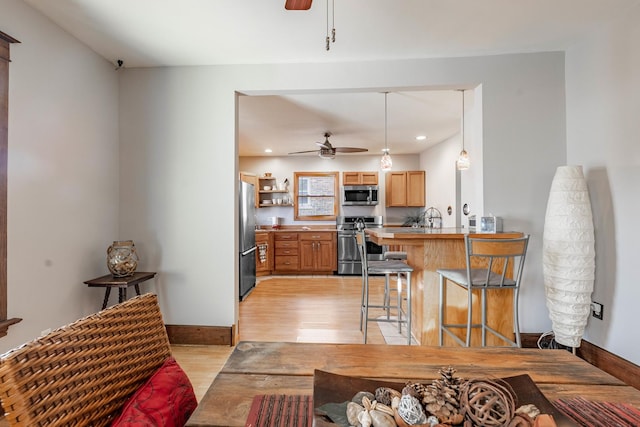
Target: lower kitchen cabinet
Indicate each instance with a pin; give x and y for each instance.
(286, 255)
(318, 252)
(305, 252)
(264, 253)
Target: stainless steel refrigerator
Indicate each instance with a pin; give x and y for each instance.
(247, 238)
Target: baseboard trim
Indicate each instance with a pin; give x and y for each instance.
(200, 335)
(612, 364)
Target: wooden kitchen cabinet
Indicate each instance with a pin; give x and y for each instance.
(405, 189)
(264, 254)
(318, 252)
(286, 254)
(359, 178)
(251, 178)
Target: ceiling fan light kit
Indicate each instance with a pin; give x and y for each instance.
(328, 151)
(463, 161)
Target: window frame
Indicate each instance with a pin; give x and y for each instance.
(297, 195)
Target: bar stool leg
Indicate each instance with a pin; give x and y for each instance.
(387, 294)
(399, 301)
(408, 308)
(441, 312)
(484, 317)
(362, 303)
(469, 316)
(516, 322)
(366, 307)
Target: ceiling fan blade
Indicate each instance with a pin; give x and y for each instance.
(297, 4)
(302, 152)
(324, 144)
(350, 150)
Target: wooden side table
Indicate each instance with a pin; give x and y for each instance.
(122, 283)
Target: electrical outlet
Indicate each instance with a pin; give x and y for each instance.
(596, 310)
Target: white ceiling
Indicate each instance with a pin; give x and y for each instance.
(150, 33)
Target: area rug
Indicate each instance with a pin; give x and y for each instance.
(390, 332)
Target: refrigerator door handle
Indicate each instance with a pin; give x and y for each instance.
(248, 251)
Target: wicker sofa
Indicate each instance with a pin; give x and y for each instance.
(85, 372)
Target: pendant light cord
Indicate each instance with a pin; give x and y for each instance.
(333, 20)
(386, 149)
(462, 119)
(331, 39)
(327, 39)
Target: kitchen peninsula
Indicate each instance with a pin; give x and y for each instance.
(429, 249)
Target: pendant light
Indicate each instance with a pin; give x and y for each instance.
(385, 161)
(463, 159)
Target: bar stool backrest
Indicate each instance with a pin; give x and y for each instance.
(501, 259)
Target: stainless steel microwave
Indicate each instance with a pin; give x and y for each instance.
(359, 195)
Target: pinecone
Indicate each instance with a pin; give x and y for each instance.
(416, 390)
(442, 396)
(385, 395)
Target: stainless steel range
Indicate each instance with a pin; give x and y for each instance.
(348, 256)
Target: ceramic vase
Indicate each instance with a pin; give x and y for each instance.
(122, 258)
(568, 257)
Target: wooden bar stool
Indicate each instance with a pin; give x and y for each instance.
(492, 264)
(387, 268)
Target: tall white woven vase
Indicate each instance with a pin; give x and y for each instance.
(568, 255)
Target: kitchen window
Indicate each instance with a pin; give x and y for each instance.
(315, 196)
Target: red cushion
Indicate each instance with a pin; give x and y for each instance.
(166, 399)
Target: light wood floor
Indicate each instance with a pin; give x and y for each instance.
(291, 309)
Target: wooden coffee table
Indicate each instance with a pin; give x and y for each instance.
(256, 368)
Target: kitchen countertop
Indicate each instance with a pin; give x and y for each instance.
(295, 229)
(410, 233)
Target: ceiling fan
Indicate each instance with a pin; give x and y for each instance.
(328, 151)
(297, 4)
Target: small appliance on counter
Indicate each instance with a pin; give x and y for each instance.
(488, 224)
(276, 222)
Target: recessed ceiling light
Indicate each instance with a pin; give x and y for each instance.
(421, 138)
(268, 150)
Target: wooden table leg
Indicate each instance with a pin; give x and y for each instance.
(122, 294)
(137, 289)
(107, 291)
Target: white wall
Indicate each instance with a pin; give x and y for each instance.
(63, 173)
(439, 164)
(603, 101)
(179, 160)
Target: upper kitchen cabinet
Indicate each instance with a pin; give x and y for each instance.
(405, 189)
(252, 179)
(359, 178)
